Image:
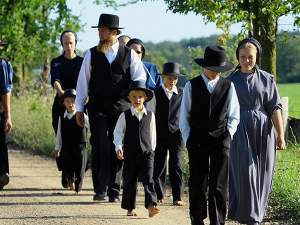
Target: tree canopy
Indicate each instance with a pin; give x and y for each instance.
(259, 18)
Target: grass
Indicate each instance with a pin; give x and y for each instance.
(291, 91)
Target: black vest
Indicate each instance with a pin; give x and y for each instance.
(137, 134)
(109, 80)
(71, 132)
(208, 112)
(167, 112)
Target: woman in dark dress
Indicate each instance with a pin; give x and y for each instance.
(64, 74)
(253, 149)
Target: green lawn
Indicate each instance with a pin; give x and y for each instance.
(293, 92)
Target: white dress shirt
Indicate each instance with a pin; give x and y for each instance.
(58, 141)
(233, 108)
(137, 72)
(120, 129)
(151, 105)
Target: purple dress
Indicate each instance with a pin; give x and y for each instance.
(253, 148)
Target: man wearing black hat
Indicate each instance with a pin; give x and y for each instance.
(6, 75)
(209, 117)
(106, 71)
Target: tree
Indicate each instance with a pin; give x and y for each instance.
(33, 27)
(259, 17)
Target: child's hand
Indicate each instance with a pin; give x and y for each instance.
(120, 154)
(56, 153)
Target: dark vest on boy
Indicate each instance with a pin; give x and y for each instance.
(109, 80)
(71, 132)
(208, 112)
(137, 134)
(167, 112)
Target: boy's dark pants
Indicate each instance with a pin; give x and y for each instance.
(134, 163)
(74, 161)
(209, 168)
(4, 165)
(175, 145)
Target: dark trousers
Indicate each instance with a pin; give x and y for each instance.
(134, 164)
(74, 160)
(4, 165)
(106, 168)
(209, 168)
(57, 109)
(175, 145)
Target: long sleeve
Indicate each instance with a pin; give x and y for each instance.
(137, 71)
(185, 112)
(86, 121)
(233, 111)
(83, 82)
(119, 132)
(153, 132)
(58, 141)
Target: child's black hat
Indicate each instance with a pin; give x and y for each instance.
(215, 59)
(67, 93)
(171, 69)
(137, 85)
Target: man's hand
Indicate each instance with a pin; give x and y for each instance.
(80, 118)
(7, 125)
(56, 153)
(120, 154)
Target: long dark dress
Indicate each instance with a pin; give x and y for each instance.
(253, 149)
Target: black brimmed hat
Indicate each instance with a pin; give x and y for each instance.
(2, 43)
(171, 69)
(215, 59)
(67, 93)
(137, 85)
(108, 20)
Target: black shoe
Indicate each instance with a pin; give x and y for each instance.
(114, 199)
(100, 197)
(4, 180)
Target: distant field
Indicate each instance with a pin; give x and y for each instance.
(293, 92)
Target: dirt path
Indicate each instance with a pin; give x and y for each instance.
(35, 196)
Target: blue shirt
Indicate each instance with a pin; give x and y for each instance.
(6, 76)
(153, 79)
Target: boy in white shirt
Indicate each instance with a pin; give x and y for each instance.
(71, 142)
(135, 141)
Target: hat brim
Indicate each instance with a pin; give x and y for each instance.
(224, 68)
(61, 98)
(148, 93)
(173, 74)
(107, 27)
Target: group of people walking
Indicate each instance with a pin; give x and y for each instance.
(136, 115)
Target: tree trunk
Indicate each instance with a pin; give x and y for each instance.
(264, 30)
(46, 68)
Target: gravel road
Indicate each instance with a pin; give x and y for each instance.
(35, 196)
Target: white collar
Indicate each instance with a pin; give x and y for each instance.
(207, 81)
(134, 111)
(70, 114)
(115, 47)
(174, 89)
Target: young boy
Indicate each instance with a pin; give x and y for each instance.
(71, 142)
(209, 117)
(166, 106)
(135, 141)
